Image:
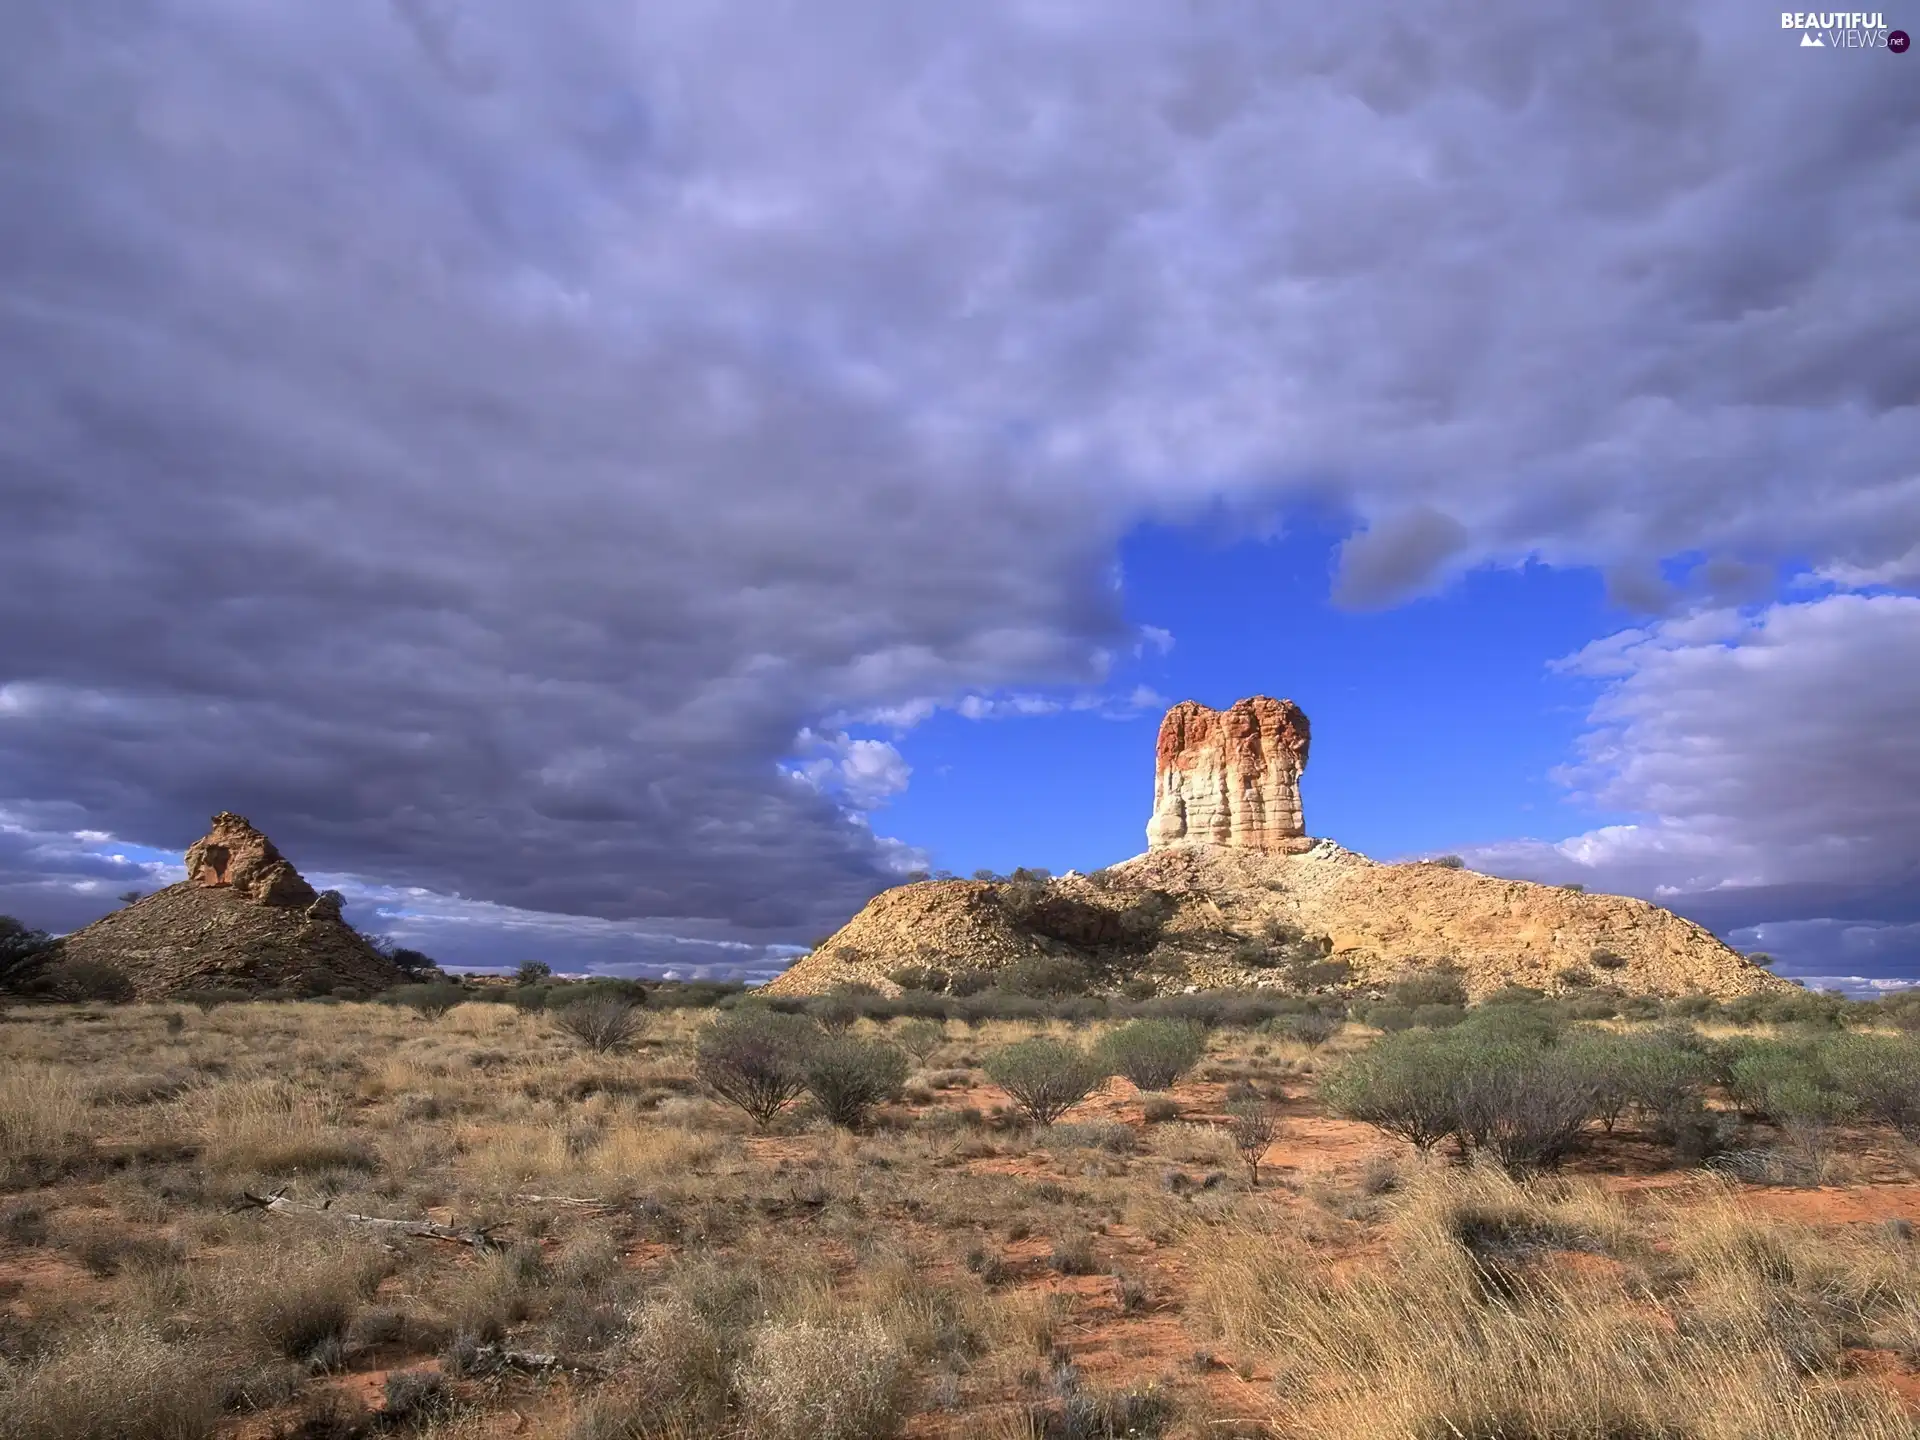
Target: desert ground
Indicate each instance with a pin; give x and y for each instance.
(599, 1247)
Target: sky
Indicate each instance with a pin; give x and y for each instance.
(623, 484)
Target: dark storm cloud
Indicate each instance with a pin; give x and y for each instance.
(477, 441)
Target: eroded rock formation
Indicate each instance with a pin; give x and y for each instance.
(1231, 894)
(242, 919)
(1231, 777)
(233, 853)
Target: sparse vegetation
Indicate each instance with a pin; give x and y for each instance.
(642, 1259)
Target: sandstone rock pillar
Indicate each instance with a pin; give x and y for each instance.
(1231, 777)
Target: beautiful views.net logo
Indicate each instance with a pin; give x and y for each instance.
(1843, 30)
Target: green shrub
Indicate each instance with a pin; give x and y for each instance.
(533, 972)
(756, 1059)
(1604, 959)
(1045, 1077)
(1439, 1017)
(920, 1038)
(930, 978)
(432, 1001)
(1046, 977)
(847, 1077)
(1153, 1054)
(1517, 1023)
(1441, 985)
(1312, 1028)
(1390, 1018)
(1523, 1105)
(92, 980)
(1405, 1084)
(1882, 1074)
(967, 982)
(836, 1010)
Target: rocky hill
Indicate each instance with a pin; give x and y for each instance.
(1242, 903)
(242, 919)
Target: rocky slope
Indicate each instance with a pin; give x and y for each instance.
(1238, 918)
(243, 919)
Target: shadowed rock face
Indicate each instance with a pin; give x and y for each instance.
(1231, 777)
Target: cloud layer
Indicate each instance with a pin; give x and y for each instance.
(1770, 757)
(478, 441)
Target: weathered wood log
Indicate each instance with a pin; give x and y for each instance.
(278, 1204)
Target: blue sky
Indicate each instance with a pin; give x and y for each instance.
(1437, 723)
(583, 477)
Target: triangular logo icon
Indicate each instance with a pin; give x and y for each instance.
(1812, 42)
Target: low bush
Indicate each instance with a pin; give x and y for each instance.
(1252, 1123)
(1390, 1018)
(602, 1023)
(1046, 977)
(1312, 1028)
(1406, 1085)
(920, 1038)
(756, 1059)
(847, 1077)
(1153, 1054)
(1440, 985)
(837, 1010)
(930, 978)
(92, 980)
(1523, 1105)
(431, 1000)
(1045, 1077)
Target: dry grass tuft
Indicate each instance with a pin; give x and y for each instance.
(806, 1381)
(43, 1113)
(1468, 1328)
(119, 1383)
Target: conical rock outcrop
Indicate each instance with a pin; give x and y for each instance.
(243, 919)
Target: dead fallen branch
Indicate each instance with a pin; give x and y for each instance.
(579, 1202)
(491, 1359)
(278, 1204)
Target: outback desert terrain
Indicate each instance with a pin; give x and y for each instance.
(593, 1243)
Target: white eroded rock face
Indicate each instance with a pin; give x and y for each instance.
(1231, 777)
